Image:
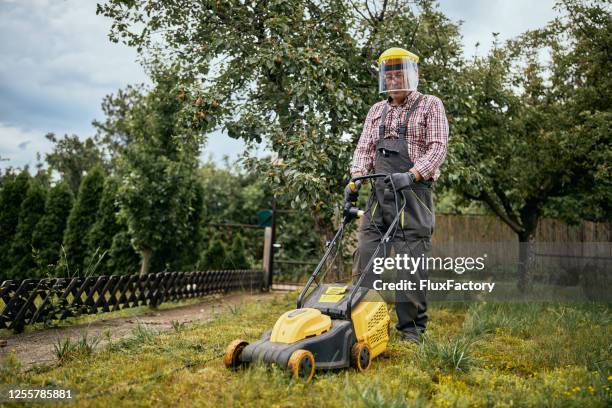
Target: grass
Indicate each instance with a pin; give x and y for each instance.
(454, 354)
(66, 349)
(473, 355)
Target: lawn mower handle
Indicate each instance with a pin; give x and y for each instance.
(369, 176)
(350, 213)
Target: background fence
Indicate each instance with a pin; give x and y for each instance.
(485, 228)
(562, 252)
(31, 301)
(558, 246)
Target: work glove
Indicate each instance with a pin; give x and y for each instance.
(351, 192)
(400, 180)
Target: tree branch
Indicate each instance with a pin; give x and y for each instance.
(505, 203)
(369, 11)
(382, 12)
(358, 11)
(486, 197)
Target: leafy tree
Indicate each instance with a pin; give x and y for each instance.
(232, 195)
(297, 74)
(304, 80)
(14, 190)
(115, 132)
(176, 255)
(49, 231)
(82, 217)
(32, 210)
(73, 158)
(157, 167)
(105, 227)
(532, 136)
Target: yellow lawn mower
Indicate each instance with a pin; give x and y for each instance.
(334, 325)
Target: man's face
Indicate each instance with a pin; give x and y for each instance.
(394, 80)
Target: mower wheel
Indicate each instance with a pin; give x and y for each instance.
(231, 358)
(361, 356)
(302, 365)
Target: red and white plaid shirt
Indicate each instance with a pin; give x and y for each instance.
(427, 134)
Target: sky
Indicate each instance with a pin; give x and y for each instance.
(57, 64)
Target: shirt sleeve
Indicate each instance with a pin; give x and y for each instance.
(436, 141)
(364, 155)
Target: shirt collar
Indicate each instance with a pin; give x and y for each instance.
(410, 98)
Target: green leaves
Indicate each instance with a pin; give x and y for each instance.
(519, 122)
(158, 195)
(299, 76)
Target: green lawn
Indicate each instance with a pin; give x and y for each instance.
(474, 355)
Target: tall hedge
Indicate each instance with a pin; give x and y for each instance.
(49, 231)
(32, 210)
(14, 190)
(82, 217)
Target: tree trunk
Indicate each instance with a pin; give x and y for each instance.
(146, 254)
(526, 260)
(530, 215)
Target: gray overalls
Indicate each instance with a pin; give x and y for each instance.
(413, 234)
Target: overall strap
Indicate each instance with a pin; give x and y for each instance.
(381, 126)
(404, 126)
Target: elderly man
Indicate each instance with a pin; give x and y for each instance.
(404, 136)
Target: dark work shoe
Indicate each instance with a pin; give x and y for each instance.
(410, 337)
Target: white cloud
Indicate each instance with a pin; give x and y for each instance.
(484, 17)
(20, 146)
(56, 65)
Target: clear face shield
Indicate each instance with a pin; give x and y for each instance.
(398, 74)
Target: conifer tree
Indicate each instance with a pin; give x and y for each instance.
(214, 257)
(11, 196)
(31, 211)
(81, 218)
(236, 259)
(104, 229)
(49, 231)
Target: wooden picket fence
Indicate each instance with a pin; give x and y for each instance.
(29, 301)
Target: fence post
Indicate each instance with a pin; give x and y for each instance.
(267, 257)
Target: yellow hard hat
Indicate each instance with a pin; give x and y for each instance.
(395, 53)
